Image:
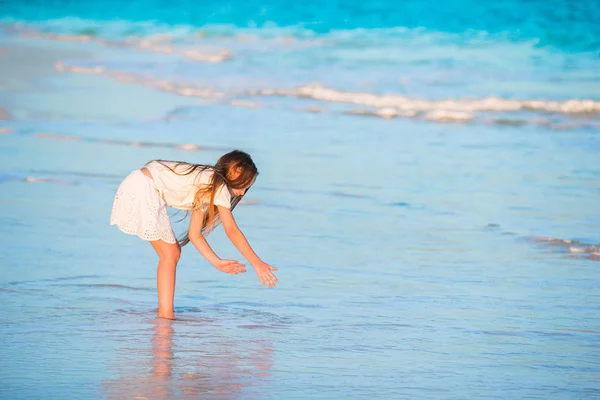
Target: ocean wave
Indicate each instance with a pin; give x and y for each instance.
(572, 26)
(161, 44)
(434, 115)
(436, 64)
(386, 106)
(444, 116)
(126, 77)
(590, 251)
(394, 102)
(194, 44)
(162, 38)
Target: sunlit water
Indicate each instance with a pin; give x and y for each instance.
(421, 255)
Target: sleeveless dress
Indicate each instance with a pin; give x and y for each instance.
(140, 205)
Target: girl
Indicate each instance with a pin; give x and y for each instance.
(209, 193)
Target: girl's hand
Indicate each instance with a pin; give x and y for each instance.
(230, 267)
(263, 270)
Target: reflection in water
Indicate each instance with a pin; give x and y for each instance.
(190, 361)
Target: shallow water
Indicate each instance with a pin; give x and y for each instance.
(448, 255)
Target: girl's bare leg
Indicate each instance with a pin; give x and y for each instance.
(168, 257)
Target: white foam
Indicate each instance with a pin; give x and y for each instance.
(156, 44)
(161, 44)
(196, 55)
(449, 116)
(314, 109)
(385, 113)
(188, 147)
(55, 136)
(592, 251)
(462, 105)
(60, 67)
(381, 106)
(243, 103)
(32, 179)
(158, 84)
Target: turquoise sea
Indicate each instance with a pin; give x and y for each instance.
(429, 189)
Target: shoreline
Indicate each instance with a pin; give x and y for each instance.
(35, 88)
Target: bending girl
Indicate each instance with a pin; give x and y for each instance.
(209, 193)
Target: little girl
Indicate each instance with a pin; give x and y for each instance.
(209, 193)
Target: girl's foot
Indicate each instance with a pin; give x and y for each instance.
(166, 315)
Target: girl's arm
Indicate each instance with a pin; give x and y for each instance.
(263, 270)
(200, 243)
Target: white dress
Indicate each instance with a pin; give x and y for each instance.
(139, 207)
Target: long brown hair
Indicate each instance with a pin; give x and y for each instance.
(235, 170)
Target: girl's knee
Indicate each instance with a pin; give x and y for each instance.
(169, 252)
(175, 254)
(172, 254)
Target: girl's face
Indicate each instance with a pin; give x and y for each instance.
(242, 191)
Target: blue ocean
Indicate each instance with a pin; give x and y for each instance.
(429, 189)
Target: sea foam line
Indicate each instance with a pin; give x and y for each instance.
(158, 84)
(71, 138)
(381, 106)
(397, 103)
(591, 251)
(161, 44)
